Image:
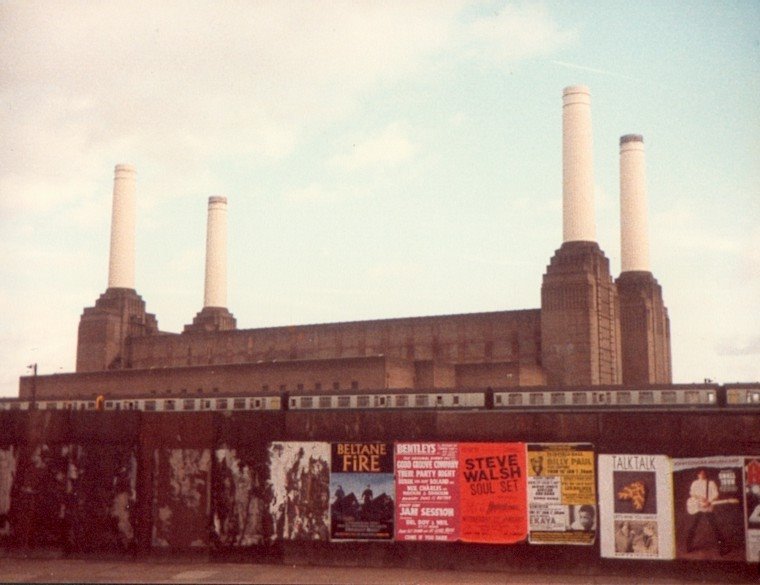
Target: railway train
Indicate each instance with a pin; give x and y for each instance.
(516, 399)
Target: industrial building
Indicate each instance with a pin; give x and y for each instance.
(591, 328)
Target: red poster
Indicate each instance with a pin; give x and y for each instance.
(493, 492)
(427, 492)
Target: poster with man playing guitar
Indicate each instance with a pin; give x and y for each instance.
(709, 510)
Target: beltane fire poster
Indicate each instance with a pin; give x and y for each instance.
(427, 491)
(636, 507)
(362, 488)
(561, 493)
(492, 488)
(709, 508)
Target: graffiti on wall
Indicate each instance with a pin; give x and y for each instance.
(8, 459)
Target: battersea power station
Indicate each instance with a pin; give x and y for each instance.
(592, 328)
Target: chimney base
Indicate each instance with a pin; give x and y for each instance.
(212, 319)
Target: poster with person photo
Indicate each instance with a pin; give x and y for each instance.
(752, 507)
(561, 493)
(709, 508)
(635, 507)
(362, 488)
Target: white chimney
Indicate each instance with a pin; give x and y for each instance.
(634, 239)
(121, 262)
(577, 166)
(216, 254)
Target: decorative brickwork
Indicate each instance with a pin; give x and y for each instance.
(645, 329)
(104, 330)
(580, 328)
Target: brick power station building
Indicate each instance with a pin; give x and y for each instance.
(591, 328)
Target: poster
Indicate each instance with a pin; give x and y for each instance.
(363, 491)
(181, 497)
(709, 508)
(492, 488)
(561, 493)
(427, 492)
(299, 483)
(240, 500)
(752, 507)
(8, 459)
(636, 507)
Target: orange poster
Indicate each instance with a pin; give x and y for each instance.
(493, 488)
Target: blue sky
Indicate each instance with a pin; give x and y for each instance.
(381, 159)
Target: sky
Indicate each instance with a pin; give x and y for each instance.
(380, 159)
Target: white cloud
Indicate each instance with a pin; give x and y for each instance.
(519, 32)
(387, 148)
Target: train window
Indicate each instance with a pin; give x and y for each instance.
(669, 397)
(188, 404)
(293, 402)
(692, 397)
(206, 404)
(711, 397)
(755, 397)
(379, 400)
(238, 404)
(456, 400)
(557, 398)
(221, 404)
(257, 402)
(623, 397)
(515, 399)
(150, 405)
(91, 405)
(401, 400)
(362, 401)
(307, 402)
(109, 405)
(499, 399)
(536, 399)
(325, 402)
(344, 401)
(15, 406)
(169, 405)
(580, 398)
(646, 397)
(421, 400)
